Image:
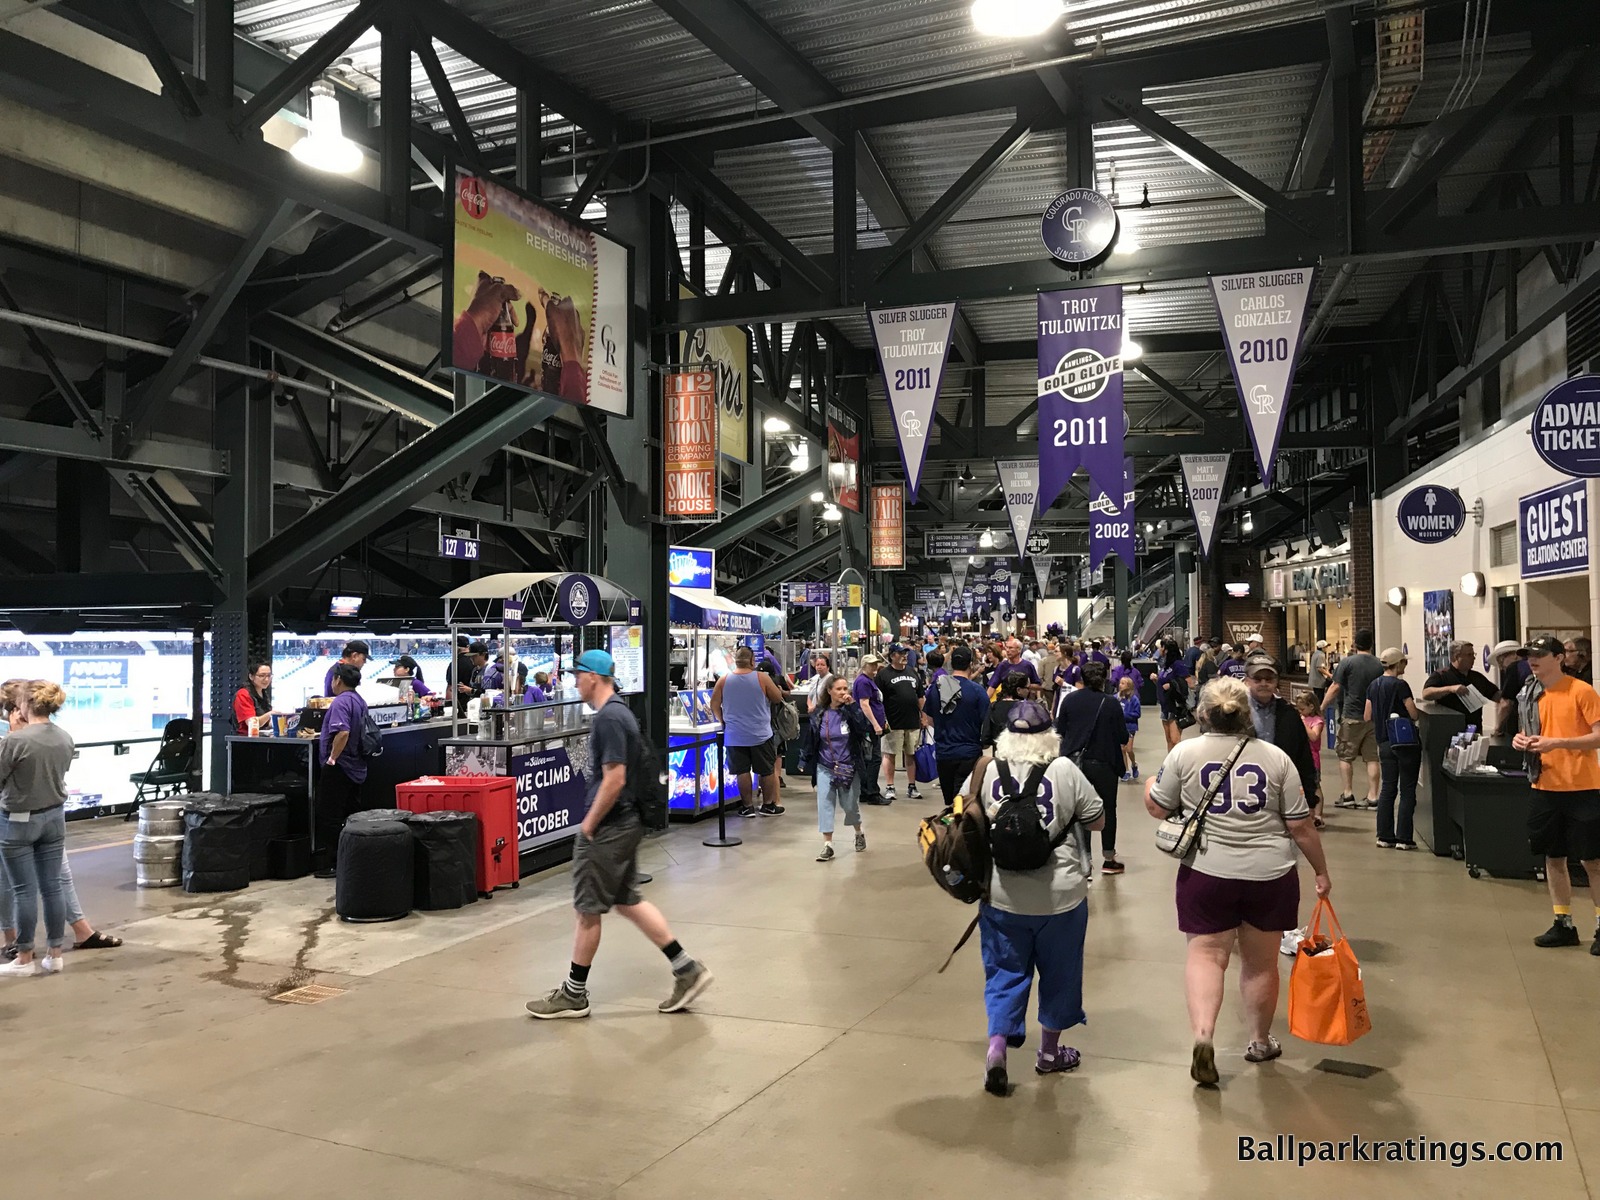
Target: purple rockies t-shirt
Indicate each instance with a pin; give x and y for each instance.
(348, 712)
(1007, 667)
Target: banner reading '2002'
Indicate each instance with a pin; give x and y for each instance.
(534, 299)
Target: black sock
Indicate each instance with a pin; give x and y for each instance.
(577, 983)
(680, 960)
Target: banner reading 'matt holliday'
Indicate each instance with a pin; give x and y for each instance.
(1080, 389)
(1262, 316)
(1204, 476)
(912, 345)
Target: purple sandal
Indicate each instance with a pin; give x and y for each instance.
(1064, 1059)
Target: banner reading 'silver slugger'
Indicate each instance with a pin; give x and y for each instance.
(535, 300)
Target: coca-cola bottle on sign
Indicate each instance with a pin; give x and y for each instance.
(502, 355)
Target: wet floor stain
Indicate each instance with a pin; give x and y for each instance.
(299, 975)
(235, 922)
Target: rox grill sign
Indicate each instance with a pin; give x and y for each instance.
(1431, 514)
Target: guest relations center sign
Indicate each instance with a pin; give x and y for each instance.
(1553, 530)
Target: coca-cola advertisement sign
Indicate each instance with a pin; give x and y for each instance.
(534, 299)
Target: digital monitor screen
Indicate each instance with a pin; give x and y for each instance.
(1238, 590)
(344, 606)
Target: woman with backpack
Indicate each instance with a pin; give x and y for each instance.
(1093, 734)
(1173, 691)
(835, 747)
(1034, 917)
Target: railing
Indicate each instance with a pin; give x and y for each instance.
(98, 783)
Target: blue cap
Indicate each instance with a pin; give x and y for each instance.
(596, 661)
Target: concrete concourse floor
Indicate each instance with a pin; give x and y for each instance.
(828, 1059)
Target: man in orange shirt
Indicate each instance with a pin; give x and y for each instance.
(1560, 719)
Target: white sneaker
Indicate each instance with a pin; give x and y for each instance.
(1291, 942)
(20, 969)
(888, 792)
(52, 966)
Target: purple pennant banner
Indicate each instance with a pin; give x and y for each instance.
(1080, 389)
(913, 344)
(1111, 523)
(1262, 316)
(958, 570)
(1204, 476)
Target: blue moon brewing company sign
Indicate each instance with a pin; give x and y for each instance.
(1431, 514)
(1566, 427)
(1079, 225)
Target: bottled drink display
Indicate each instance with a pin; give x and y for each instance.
(501, 356)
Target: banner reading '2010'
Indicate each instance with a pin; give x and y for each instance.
(533, 299)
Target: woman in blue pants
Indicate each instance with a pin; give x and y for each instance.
(1033, 922)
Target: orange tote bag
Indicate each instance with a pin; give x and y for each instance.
(1327, 1002)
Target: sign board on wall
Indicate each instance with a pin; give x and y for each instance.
(724, 351)
(534, 299)
(1553, 530)
(1566, 427)
(689, 446)
(951, 543)
(844, 459)
(1431, 514)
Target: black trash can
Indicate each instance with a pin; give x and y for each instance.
(216, 844)
(375, 871)
(446, 854)
(381, 814)
(269, 821)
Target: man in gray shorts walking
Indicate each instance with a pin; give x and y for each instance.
(605, 854)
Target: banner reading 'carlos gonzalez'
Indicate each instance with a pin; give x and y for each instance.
(1262, 316)
(1080, 389)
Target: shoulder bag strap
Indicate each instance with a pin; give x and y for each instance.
(1005, 778)
(1030, 788)
(1199, 816)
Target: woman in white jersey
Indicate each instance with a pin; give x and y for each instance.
(1240, 882)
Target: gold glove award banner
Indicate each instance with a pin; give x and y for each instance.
(724, 350)
(535, 300)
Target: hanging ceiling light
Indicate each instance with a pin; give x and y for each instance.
(986, 539)
(1249, 522)
(775, 425)
(1131, 350)
(1015, 18)
(816, 497)
(1127, 235)
(832, 513)
(324, 147)
(802, 458)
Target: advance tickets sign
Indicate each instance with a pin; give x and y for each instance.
(1553, 530)
(1566, 427)
(888, 535)
(844, 460)
(913, 345)
(1431, 514)
(1080, 389)
(535, 299)
(689, 446)
(1204, 477)
(1263, 315)
(1019, 485)
(724, 350)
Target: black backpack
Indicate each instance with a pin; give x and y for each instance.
(1018, 839)
(371, 739)
(647, 778)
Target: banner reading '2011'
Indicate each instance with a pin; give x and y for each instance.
(1080, 389)
(533, 299)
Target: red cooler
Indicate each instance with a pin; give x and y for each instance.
(494, 799)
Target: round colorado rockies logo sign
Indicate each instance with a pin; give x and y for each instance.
(1078, 226)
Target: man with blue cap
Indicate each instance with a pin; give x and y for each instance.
(605, 853)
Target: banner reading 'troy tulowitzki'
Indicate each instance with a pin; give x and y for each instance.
(1080, 389)
(913, 344)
